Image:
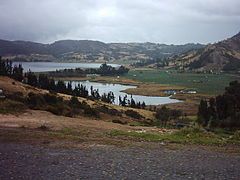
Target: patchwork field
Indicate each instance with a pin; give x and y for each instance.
(211, 84)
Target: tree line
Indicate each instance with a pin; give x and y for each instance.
(44, 82)
(223, 110)
(104, 69)
(131, 102)
(7, 69)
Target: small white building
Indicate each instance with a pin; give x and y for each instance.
(188, 91)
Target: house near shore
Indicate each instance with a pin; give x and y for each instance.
(93, 75)
(188, 91)
(170, 92)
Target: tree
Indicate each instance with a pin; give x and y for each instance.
(43, 81)
(143, 105)
(31, 79)
(69, 88)
(163, 115)
(223, 110)
(17, 73)
(203, 115)
(61, 87)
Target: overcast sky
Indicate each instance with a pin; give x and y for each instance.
(162, 21)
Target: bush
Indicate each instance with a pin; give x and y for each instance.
(60, 109)
(106, 110)
(17, 96)
(90, 111)
(236, 136)
(74, 102)
(119, 121)
(165, 114)
(133, 114)
(35, 101)
(52, 98)
(9, 106)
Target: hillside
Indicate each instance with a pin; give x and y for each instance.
(221, 56)
(90, 51)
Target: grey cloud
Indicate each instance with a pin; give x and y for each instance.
(163, 21)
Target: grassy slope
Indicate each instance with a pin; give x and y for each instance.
(193, 135)
(210, 83)
(84, 128)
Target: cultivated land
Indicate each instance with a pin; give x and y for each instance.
(203, 83)
(152, 82)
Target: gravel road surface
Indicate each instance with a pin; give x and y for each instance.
(24, 161)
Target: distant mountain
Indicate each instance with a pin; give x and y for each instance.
(59, 48)
(90, 51)
(224, 55)
(22, 47)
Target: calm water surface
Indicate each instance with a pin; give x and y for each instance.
(53, 66)
(117, 88)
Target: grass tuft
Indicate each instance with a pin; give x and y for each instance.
(193, 135)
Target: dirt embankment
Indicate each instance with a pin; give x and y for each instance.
(11, 86)
(85, 128)
(35, 118)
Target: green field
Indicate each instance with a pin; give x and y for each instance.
(203, 83)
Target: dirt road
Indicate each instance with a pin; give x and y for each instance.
(24, 161)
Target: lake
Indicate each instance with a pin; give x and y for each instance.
(53, 66)
(102, 87)
(117, 88)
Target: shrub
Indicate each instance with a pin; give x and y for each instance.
(60, 109)
(236, 136)
(133, 114)
(74, 102)
(91, 111)
(35, 101)
(9, 106)
(17, 96)
(52, 98)
(165, 114)
(106, 110)
(119, 121)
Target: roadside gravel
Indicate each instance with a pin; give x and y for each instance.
(24, 161)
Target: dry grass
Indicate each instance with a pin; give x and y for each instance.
(33, 119)
(11, 86)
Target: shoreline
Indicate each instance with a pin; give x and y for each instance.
(142, 89)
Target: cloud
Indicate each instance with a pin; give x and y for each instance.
(163, 21)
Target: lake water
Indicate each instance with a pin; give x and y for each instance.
(102, 87)
(117, 88)
(53, 66)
